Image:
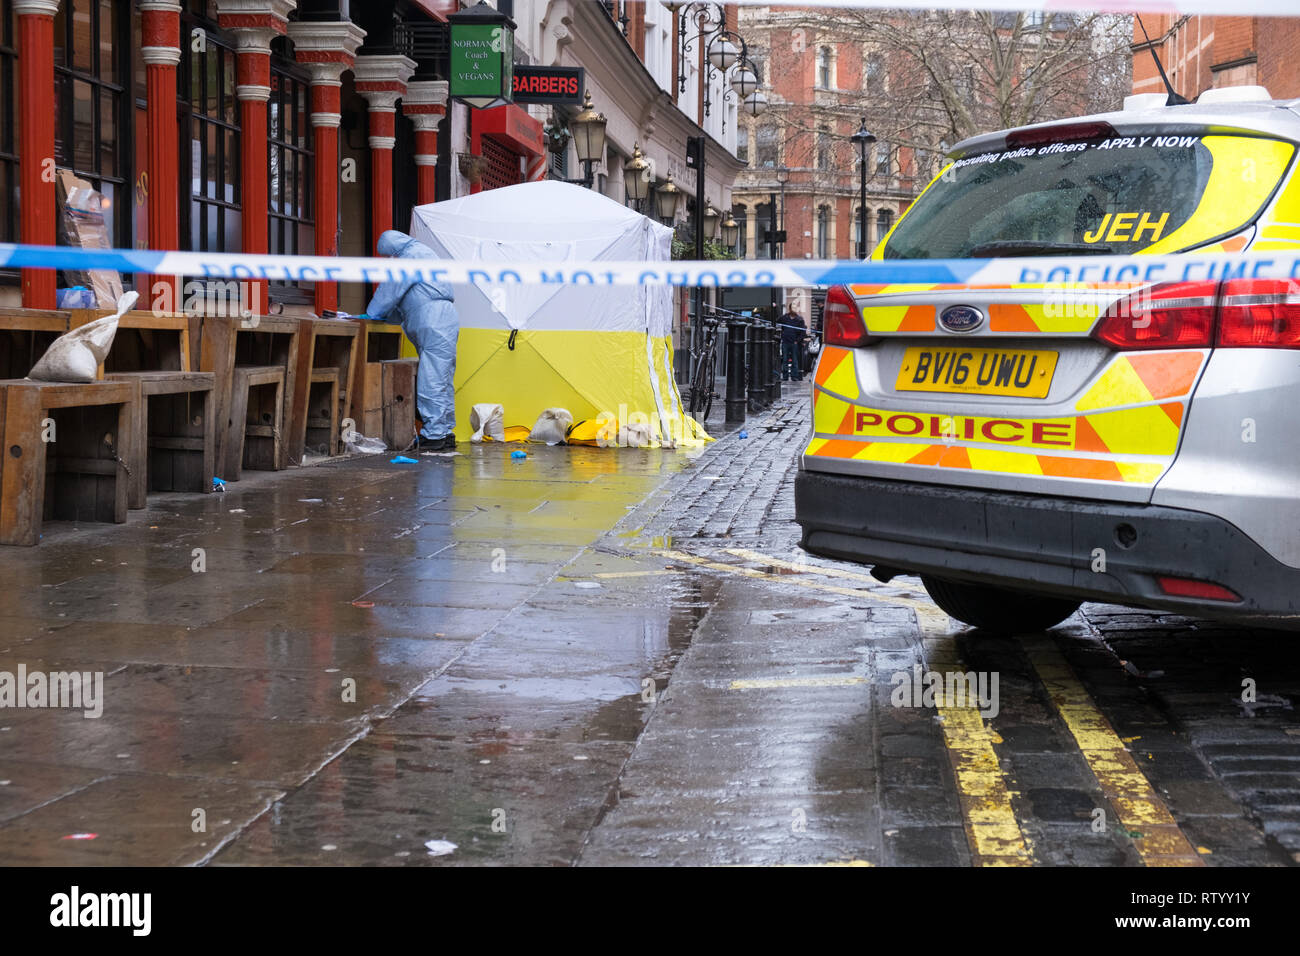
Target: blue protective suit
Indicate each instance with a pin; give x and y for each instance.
(429, 320)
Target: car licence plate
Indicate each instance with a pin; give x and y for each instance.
(1020, 372)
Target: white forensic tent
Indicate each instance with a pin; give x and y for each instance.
(599, 351)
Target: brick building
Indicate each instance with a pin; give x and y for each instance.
(1204, 53)
(814, 82)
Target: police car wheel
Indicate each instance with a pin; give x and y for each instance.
(998, 609)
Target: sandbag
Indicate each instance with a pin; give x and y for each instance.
(488, 421)
(552, 426)
(76, 356)
(638, 435)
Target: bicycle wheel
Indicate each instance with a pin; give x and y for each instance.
(701, 389)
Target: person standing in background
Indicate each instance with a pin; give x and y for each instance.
(793, 332)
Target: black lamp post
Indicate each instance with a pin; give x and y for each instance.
(863, 138)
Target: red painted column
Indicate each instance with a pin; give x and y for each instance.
(327, 48)
(161, 29)
(381, 79)
(36, 149)
(255, 24)
(425, 103)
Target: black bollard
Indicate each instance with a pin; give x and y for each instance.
(773, 363)
(753, 364)
(736, 328)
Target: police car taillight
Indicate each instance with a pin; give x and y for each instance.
(1170, 315)
(842, 320)
(1260, 313)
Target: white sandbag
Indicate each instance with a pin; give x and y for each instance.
(638, 434)
(552, 425)
(75, 356)
(487, 419)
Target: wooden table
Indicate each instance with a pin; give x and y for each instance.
(79, 475)
(145, 341)
(25, 334)
(380, 342)
(322, 344)
(261, 341)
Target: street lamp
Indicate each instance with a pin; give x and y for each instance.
(667, 198)
(863, 138)
(710, 221)
(588, 129)
(755, 103)
(636, 177)
(723, 49)
(730, 231)
(744, 81)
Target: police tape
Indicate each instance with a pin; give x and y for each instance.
(1232, 8)
(737, 273)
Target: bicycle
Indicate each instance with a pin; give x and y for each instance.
(699, 400)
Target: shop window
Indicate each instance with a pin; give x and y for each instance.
(764, 247)
(9, 229)
(289, 156)
(92, 43)
(209, 116)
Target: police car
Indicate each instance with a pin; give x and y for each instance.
(1024, 448)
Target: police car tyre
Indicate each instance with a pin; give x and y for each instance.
(996, 609)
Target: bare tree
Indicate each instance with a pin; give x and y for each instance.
(946, 75)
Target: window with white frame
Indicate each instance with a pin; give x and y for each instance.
(825, 68)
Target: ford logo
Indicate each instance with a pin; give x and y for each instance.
(961, 318)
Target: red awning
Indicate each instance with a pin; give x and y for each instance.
(508, 124)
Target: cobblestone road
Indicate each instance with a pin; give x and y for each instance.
(815, 643)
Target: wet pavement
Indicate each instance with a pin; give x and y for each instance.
(598, 656)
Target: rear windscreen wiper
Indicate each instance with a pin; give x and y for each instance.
(1029, 247)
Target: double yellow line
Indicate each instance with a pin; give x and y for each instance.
(992, 828)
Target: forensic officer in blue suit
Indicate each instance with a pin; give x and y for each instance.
(429, 320)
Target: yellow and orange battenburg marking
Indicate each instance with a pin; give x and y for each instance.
(1066, 309)
(1147, 426)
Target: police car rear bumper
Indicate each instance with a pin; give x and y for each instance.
(1093, 551)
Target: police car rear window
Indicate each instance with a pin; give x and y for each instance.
(1115, 196)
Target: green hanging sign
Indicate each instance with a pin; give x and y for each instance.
(482, 57)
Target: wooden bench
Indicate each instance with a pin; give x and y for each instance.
(66, 449)
(25, 334)
(397, 412)
(322, 344)
(175, 433)
(379, 342)
(228, 343)
(255, 437)
(321, 422)
(145, 341)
